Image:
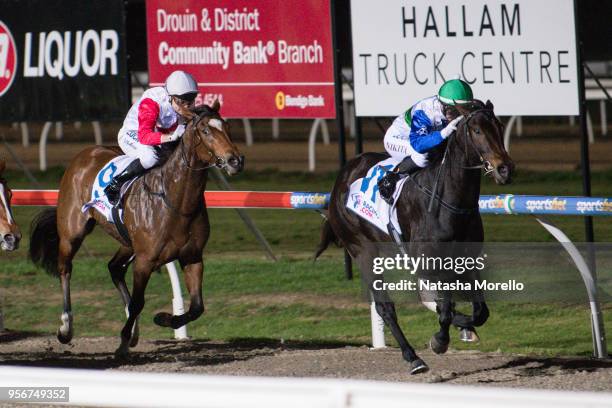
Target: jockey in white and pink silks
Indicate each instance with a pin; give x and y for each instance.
(421, 128)
(150, 122)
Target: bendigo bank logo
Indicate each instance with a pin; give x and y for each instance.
(8, 58)
(280, 100)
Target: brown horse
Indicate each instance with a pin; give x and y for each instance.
(10, 234)
(476, 144)
(164, 214)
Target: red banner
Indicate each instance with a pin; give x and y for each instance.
(260, 58)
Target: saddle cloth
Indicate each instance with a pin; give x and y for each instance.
(365, 201)
(98, 200)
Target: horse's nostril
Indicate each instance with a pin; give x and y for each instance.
(9, 238)
(236, 162)
(503, 170)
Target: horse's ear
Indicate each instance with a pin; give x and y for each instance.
(489, 105)
(216, 106)
(186, 113)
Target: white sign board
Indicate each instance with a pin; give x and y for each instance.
(519, 54)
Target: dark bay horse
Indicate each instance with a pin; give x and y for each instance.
(10, 234)
(164, 213)
(476, 144)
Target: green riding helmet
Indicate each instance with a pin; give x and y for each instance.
(455, 92)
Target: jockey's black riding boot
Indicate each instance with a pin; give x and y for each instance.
(386, 185)
(113, 190)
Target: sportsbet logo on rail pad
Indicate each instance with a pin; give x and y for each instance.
(8, 58)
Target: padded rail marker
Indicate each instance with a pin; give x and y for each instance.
(489, 204)
(551, 205)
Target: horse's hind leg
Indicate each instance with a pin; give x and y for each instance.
(118, 267)
(193, 281)
(68, 247)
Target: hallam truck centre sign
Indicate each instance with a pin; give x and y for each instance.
(519, 54)
(66, 62)
(261, 59)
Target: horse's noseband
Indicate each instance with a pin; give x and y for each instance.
(218, 161)
(485, 164)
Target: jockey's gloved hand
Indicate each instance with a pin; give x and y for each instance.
(178, 132)
(451, 127)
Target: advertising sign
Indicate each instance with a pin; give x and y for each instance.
(64, 62)
(520, 54)
(261, 59)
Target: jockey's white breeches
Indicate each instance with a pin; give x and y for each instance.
(397, 144)
(128, 141)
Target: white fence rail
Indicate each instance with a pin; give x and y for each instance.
(122, 389)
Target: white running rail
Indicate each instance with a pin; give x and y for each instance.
(124, 389)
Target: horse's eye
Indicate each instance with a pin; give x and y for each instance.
(207, 131)
(477, 131)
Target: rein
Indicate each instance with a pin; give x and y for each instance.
(218, 162)
(433, 193)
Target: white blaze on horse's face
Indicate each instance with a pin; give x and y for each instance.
(7, 209)
(216, 123)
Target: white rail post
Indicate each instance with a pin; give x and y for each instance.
(25, 134)
(604, 119)
(275, 128)
(507, 133)
(378, 328)
(248, 132)
(97, 132)
(177, 300)
(590, 133)
(42, 146)
(59, 130)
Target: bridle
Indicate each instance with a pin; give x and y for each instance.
(484, 164)
(218, 162)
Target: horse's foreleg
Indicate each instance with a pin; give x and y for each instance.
(439, 341)
(142, 273)
(118, 267)
(193, 281)
(386, 310)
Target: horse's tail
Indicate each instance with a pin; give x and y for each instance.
(44, 241)
(327, 236)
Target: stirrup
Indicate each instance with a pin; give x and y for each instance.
(113, 193)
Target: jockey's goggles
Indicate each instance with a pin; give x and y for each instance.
(185, 99)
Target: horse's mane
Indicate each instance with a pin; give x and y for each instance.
(435, 155)
(204, 109)
(165, 150)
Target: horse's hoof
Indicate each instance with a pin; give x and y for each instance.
(122, 352)
(134, 341)
(418, 366)
(135, 335)
(468, 335)
(163, 319)
(64, 338)
(436, 346)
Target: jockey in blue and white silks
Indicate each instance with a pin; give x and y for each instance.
(421, 128)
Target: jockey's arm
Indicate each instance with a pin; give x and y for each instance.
(422, 136)
(148, 110)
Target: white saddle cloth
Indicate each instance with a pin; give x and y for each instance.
(365, 201)
(98, 200)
